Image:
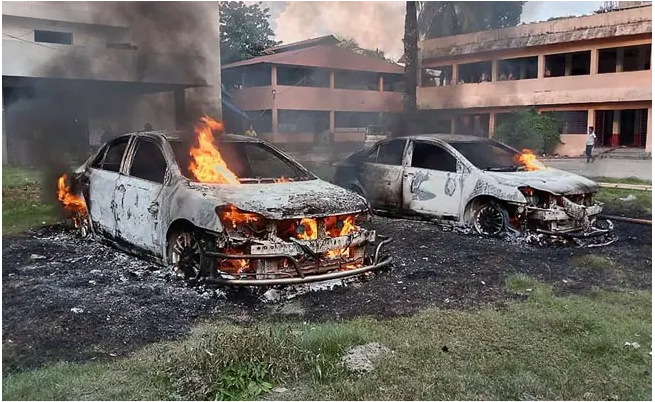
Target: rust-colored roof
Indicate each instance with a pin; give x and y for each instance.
(321, 40)
(324, 56)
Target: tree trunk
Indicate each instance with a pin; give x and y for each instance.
(411, 62)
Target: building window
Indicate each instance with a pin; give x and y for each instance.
(63, 38)
(359, 80)
(474, 72)
(571, 122)
(303, 121)
(517, 69)
(565, 64)
(436, 76)
(632, 58)
(303, 77)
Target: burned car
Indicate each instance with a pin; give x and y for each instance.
(474, 182)
(233, 210)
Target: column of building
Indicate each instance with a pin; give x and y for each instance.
(332, 112)
(274, 94)
(616, 123)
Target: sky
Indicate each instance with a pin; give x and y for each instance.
(379, 24)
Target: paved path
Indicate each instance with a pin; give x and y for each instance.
(618, 168)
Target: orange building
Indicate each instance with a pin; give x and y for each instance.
(589, 71)
(314, 91)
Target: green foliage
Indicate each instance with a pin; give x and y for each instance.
(245, 30)
(437, 19)
(352, 45)
(529, 129)
(23, 206)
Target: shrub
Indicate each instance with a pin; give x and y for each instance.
(529, 129)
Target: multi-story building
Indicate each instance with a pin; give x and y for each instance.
(314, 91)
(72, 71)
(589, 71)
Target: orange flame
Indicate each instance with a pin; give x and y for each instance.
(237, 266)
(282, 180)
(311, 229)
(347, 227)
(207, 164)
(529, 160)
(71, 201)
(231, 215)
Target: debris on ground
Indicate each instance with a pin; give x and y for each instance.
(34, 257)
(279, 390)
(362, 358)
(629, 198)
(77, 310)
(633, 345)
(271, 295)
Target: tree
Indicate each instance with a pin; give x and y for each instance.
(529, 129)
(410, 42)
(245, 31)
(445, 18)
(352, 45)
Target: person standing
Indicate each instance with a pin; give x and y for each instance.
(251, 132)
(591, 140)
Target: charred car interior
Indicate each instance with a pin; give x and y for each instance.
(473, 182)
(230, 210)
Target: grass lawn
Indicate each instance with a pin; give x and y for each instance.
(22, 205)
(549, 347)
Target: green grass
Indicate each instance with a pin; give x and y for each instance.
(611, 197)
(549, 347)
(22, 206)
(626, 180)
(594, 261)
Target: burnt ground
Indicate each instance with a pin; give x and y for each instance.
(70, 299)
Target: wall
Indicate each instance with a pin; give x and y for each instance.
(626, 86)
(307, 98)
(573, 145)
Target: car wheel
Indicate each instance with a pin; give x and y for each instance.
(185, 254)
(490, 219)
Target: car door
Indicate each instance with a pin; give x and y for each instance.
(382, 174)
(432, 184)
(100, 182)
(138, 196)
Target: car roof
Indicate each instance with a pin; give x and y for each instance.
(449, 138)
(181, 135)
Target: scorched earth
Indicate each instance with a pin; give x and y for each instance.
(77, 300)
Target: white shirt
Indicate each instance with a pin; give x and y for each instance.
(591, 138)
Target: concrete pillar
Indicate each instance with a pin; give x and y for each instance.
(649, 131)
(568, 64)
(331, 79)
(453, 124)
(274, 76)
(381, 83)
(180, 108)
(492, 124)
(616, 128)
(494, 70)
(541, 66)
(591, 120)
(455, 74)
(636, 137)
(620, 55)
(331, 121)
(593, 64)
(243, 80)
(274, 119)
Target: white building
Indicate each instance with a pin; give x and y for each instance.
(73, 70)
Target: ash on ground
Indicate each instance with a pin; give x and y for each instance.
(69, 299)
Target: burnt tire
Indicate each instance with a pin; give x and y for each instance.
(185, 252)
(490, 219)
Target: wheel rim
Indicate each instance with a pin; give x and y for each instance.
(489, 220)
(186, 256)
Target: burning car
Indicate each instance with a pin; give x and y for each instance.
(233, 210)
(475, 182)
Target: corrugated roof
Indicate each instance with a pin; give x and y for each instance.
(324, 56)
(321, 40)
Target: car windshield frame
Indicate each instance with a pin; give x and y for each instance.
(481, 157)
(300, 172)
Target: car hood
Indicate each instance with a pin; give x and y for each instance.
(554, 181)
(288, 200)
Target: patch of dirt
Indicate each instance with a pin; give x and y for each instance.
(85, 301)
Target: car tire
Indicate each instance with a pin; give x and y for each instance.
(185, 253)
(490, 219)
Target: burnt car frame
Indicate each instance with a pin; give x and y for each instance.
(433, 176)
(141, 197)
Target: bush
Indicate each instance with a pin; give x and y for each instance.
(529, 129)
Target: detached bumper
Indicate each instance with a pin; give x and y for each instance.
(290, 254)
